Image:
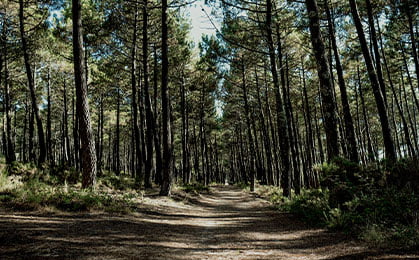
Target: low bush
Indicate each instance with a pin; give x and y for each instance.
(378, 203)
(243, 185)
(310, 205)
(36, 191)
(118, 182)
(195, 188)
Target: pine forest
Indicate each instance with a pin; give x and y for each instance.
(216, 129)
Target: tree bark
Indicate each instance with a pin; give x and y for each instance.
(166, 126)
(326, 86)
(134, 107)
(281, 118)
(49, 126)
(376, 51)
(88, 153)
(9, 151)
(31, 84)
(349, 124)
(148, 108)
(375, 85)
(185, 135)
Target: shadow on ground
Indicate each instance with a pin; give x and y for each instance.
(226, 224)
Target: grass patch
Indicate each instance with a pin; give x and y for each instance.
(37, 195)
(25, 188)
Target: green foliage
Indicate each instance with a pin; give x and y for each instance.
(36, 194)
(195, 188)
(243, 185)
(311, 205)
(272, 193)
(113, 181)
(404, 173)
(34, 189)
(367, 201)
(399, 236)
(21, 169)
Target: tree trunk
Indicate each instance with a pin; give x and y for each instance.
(31, 130)
(412, 39)
(185, 150)
(309, 130)
(66, 141)
(31, 84)
(382, 111)
(349, 124)
(148, 108)
(370, 148)
(49, 127)
(281, 118)
(326, 86)
(118, 133)
(9, 151)
(249, 131)
(157, 135)
(166, 126)
(134, 107)
(88, 153)
(376, 51)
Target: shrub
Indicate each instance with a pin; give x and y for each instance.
(404, 174)
(243, 185)
(379, 203)
(195, 188)
(310, 205)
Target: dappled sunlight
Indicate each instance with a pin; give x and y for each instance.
(225, 224)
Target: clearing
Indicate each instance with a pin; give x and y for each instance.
(227, 223)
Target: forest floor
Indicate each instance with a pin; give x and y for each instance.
(226, 223)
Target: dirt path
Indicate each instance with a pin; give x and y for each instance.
(226, 224)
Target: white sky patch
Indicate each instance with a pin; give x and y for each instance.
(200, 23)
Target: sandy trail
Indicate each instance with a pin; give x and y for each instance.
(226, 224)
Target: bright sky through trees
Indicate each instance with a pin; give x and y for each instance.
(200, 23)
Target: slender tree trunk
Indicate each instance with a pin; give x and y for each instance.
(265, 135)
(149, 110)
(9, 151)
(309, 132)
(185, 151)
(157, 135)
(25, 128)
(326, 86)
(406, 67)
(249, 131)
(87, 143)
(379, 100)
(166, 127)
(376, 51)
(76, 140)
(281, 117)
(409, 117)
(66, 140)
(49, 127)
(118, 134)
(31, 84)
(371, 153)
(134, 106)
(413, 39)
(292, 135)
(31, 130)
(349, 124)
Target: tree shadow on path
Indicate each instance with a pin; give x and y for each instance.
(226, 224)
